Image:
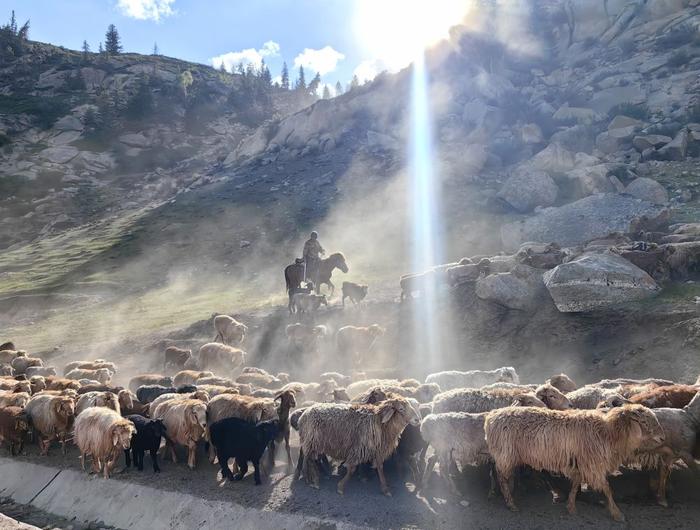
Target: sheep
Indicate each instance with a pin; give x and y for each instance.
(102, 433)
(176, 358)
(473, 378)
(43, 371)
(588, 397)
(287, 401)
(146, 438)
(6, 370)
(186, 377)
(311, 391)
(217, 390)
(20, 364)
(356, 342)
(509, 386)
(221, 356)
(61, 383)
(229, 330)
(97, 399)
(199, 394)
(99, 387)
(14, 385)
(302, 336)
(185, 424)
(475, 400)
(264, 393)
(148, 393)
(619, 382)
(583, 445)
(354, 434)
(9, 345)
(260, 380)
(214, 380)
(244, 407)
(14, 426)
(355, 292)
(340, 379)
(151, 379)
(13, 399)
(245, 441)
(37, 383)
(563, 383)
(68, 392)
(7, 356)
(303, 303)
(361, 387)
(674, 396)
(103, 375)
(51, 418)
(91, 365)
(424, 393)
(340, 395)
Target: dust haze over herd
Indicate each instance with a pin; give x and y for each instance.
(143, 195)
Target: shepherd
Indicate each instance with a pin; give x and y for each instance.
(312, 256)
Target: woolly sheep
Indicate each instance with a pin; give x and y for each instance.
(303, 303)
(217, 390)
(14, 385)
(91, 365)
(103, 375)
(185, 424)
(188, 377)
(360, 387)
(61, 383)
(588, 397)
(673, 396)
(14, 425)
(20, 364)
(148, 393)
(229, 330)
(43, 371)
(340, 379)
(151, 379)
(476, 400)
(583, 445)
(473, 378)
(355, 342)
(176, 357)
(103, 434)
(199, 394)
(260, 380)
(562, 382)
(51, 418)
(221, 357)
(13, 399)
(6, 370)
(7, 356)
(97, 399)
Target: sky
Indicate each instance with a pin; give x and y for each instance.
(335, 38)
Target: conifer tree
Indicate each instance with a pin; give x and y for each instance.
(301, 81)
(113, 44)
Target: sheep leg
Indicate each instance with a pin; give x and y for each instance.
(664, 473)
(415, 472)
(44, 444)
(575, 485)
(82, 461)
(256, 472)
(344, 480)
(191, 454)
(225, 471)
(243, 469)
(504, 477)
(612, 507)
(154, 460)
(428, 471)
(300, 463)
(171, 446)
(492, 480)
(382, 478)
(212, 454)
(289, 452)
(446, 463)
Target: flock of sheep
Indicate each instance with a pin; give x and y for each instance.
(454, 419)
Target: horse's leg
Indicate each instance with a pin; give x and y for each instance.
(332, 287)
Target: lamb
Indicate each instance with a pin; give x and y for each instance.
(356, 342)
(61, 383)
(475, 400)
(176, 358)
(13, 399)
(199, 394)
(7, 356)
(229, 330)
(103, 375)
(151, 379)
(583, 445)
(221, 356)
(303, 303)
(185, 424)
(563, 383)
(673, 396)
(51, 418)
(355, 292)
(146, 438)
(97, 399)
(20, 364)
(91, 365)
(147, 393)
(186, 377)
(245, 441)
(14, 426)
(103, 434)
(43, 371)
(473, 378)
(354, 434)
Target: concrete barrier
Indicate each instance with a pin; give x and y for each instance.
(71, 494)
(6, 523)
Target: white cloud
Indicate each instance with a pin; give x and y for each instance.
(368, 70)
(321, 61)
(146, 9)
(247, 56)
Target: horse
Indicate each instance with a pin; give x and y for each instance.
(294, 274)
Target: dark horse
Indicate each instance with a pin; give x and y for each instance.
(294, 274)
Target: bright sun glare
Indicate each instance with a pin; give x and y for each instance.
(395, 31)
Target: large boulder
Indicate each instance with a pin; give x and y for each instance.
(583, 220)
(59, 154)
(520, 289)
(553, 159)
(526, 190)
(138, 140)
(597, 281)
(676, 149)
(585, 181)
(653, 141)
(648, 190)
(578, 138)
(580, 115)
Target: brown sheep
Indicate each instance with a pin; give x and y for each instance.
(583, 445)
(13, 399)
(229, 330)
(562, 382)
(356, 342)
(61, 383)
(188, 377)
(176, 358)
(185, 424)
(149, 379)
(354, 291)
(91, 365)
(20, 364)
(14, 426)
(51, 418)
(675, 396)
(217, 390)
(198, 394)
(103, 375)
(97, 399)
(38, 383)
(214, 355)
(13, 385)
(103, 434)
(303, 303)
(7, 356)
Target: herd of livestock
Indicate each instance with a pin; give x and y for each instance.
(239, 414)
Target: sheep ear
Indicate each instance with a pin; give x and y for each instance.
(278, 396)
(387, 413)
(115, 437)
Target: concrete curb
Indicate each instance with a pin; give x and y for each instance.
(122, 504)
(7, 523)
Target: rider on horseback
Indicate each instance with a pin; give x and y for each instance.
(312, 252)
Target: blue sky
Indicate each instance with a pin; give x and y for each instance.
(337, 38)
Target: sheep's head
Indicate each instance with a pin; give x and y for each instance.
(23, 386)
(551, 397)
(427, 391)
(563, 383)
(508, 374)
(266, 431)
(198, 414)
(400, 406)
(527, 400)
(126, 399)
(201, 395)
(19, 399)
(375, 395)
(103, 375)
(646, 432)
(615, 400)
(376, 330)
(38, 383)
(64, 406)
(286, 399)
(122, 433)
(157, 427)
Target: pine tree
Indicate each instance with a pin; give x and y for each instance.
(315, 83)
(222, 68)
(338, 88)
(100, 49)
(113, 44)
(354, 83)
(326, 92)
(23, 32)
(285, 76)
(265, 76)
(13, 23)
(240, 69)
(86, 50)
(156, 51)
(301, 82)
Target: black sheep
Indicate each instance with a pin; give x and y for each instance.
(148, 393)
(146, 438)
(244, 441)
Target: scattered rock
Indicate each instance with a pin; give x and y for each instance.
(596, 281)
(59, 155)
(553, 159)
(527, 189)
(586, 181)
(519, 289)
(620, 122)
(377, 141)
(647, 141)
(676, 149)
(648, 190)
(581, 115)
(135, 140)
(68, 123)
